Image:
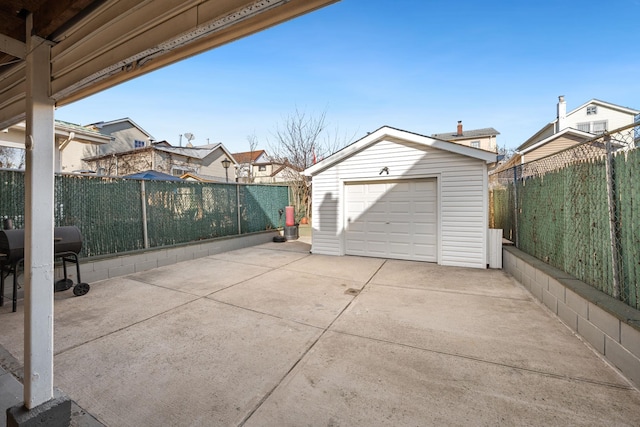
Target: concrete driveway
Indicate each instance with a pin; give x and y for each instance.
(274, 336)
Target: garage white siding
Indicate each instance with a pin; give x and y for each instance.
(462, 200)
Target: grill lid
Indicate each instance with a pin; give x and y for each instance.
(66, 239)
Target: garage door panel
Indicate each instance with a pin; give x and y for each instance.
(400, 228)
(356, 247)
(356, 206)
(376, 248)
(399, 207)
(425, 206)
(424, 219)
(394, 219)
(398, 251)
(423, 241)
(356, 227)
(377, 208)
(424, 228)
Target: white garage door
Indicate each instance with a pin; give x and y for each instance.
(394, 219)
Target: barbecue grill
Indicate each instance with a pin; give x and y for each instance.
(67, 245)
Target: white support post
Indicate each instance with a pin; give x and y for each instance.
(39, 226)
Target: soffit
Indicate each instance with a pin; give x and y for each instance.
(97, 44)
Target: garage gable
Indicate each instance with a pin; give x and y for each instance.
(404, 196)
(387, 132)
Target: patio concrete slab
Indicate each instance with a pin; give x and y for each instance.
(420, 275)
(512, 332)
(228, 340)
(203, 364)
(291, 295)
(262, 256)
(201, 276)
(358, 269)
(354, 381)
(109, 306)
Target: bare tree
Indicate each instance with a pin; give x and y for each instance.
(11, 158)
(253, 143)
(506, 152)
(302, 141)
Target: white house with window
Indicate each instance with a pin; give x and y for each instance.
(578, 125)
(259, 168)
(125, 135)
(73, 143)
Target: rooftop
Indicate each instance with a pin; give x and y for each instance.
(467, 134)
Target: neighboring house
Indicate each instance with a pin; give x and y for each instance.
(484, 139)
(126, 135)
(162, 157)
(576, 126)
(397, 194)
(73, 143)
(257, 167)
(249, 164)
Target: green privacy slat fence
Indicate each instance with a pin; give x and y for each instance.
(557, 209)
(12, 197)
(260, 205)
(106, 210)
(627, 177)
(179, 213)
(109, 211)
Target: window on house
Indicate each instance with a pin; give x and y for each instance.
(599, 127)
(475, 144)
(591, 110)
(179, 171)
(138, 144)
(584, 127)
(262, 168)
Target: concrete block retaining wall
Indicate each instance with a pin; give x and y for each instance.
(609, 325)
(100, 268)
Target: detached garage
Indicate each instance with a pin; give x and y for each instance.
(397, 194)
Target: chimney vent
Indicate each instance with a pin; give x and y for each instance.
(459, 128)
(562, 114)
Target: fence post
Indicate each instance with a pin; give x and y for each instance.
(515, 205)
(238, 206)
(612, 218)
(143, 196)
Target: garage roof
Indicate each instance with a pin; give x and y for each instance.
(97, 44)
(386, 132)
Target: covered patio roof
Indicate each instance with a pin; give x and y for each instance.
(96, 44)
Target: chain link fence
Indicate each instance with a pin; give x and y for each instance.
(120, 215)
(578, 210)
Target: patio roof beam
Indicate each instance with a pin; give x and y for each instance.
(12, 46)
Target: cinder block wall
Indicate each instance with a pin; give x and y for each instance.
(100, 268)
(609, 325)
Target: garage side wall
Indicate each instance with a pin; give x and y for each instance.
(462, 197)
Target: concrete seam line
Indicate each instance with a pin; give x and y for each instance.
(64, 350)
(304, 354)
(448, 291)
(262, 313)
(489, 362)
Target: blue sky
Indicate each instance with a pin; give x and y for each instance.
(412, 64)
